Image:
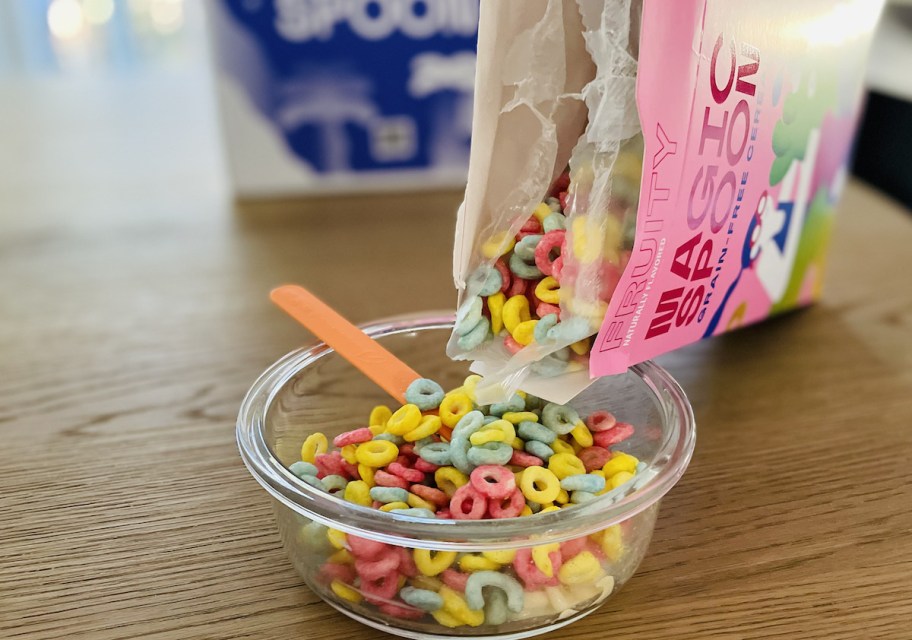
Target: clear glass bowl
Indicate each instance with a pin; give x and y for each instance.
(314, 389)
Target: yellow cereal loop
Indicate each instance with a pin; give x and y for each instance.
(336, 538)
(342, 556)
(539, 485)
(518, 444)
(586, 239)
(344, 591)
(612, 239)
(367, 474)
(550, 508)
(469, 384)
(526, 511)
(453, 407)
(449, 479)
(447, 620)
(582, 435)
(611, 543)
(581, 348)
(524, 332)
(620, 479)
(426, 582)
(541, 556)
(314, 445)
(582, 568)
(497, 431)
(379, 415)
(548, 290)
(497, 245)
(563, 497)
(620, 462)
(500, 557)
(389, 506)
(358, 492)
(455, 605)
(376, 453)
(377, 429)
(520, 416)
(515, 311)
(469, 563)
(348, 453)
(565, 464)
(495, 306)
(428, 426)
(403, 420)
(541, 212)
(417, 502)
(432, 563)
(561, 446)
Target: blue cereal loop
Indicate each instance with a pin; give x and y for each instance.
(587, 482)
(529, 430)
(388, 494)
(334, 484)
(476, 336)
(560, 418)
(424, 394)
(522, 269)
(423, 599)
(415, 512)
(302, 469)
(495, 609)
(549, 366)
(459, 442)
(480, 579)
(539, 449)
(570, 331)
(468, 315)
(313, 481)
(486, 279)
(543, 326)
(436, 453)
(554, 222)
(498, 453)
(513, 405)
(525, 248)
(490, 419)
(579, 497)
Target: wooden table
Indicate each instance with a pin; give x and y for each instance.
(134, 318)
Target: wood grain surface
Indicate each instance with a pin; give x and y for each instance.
(134, 318)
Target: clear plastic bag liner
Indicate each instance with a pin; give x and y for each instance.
(555, 87)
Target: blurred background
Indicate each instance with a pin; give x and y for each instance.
(114, 95)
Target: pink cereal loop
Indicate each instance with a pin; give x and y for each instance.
(594, 457)
(334, 571)
(509, 507)
(398, 469)
(365, 547)
(619, 433)
(493, 481)
(546, 308)
(382, 590)
(351, 470)
(408, 449)
(570, 548)
(454, 579)
(376, 569)
(557, 268)
(505, 274)
(431, 494)
(427, 467)
(517, 287)
(512, 345)
(385, 479)
(329, 464)
(600, 421)
(523, 459)
(406, 563)
(468, 504)
(531, 226)
(531, 576)
(401, 610)
(549, 242)
(357, 436)
(444, 514)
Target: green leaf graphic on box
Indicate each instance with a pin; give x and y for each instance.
(802, 112)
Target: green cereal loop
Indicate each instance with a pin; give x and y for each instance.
(498, 453)
(523, 269)
(391, 437)
(468, 315)
(534, 507)
(459, 442)
(569, 331)
(302, 469)
(513, 405)
(543, 326)
(579, 497)
(539, 449)
(560, 418)
(423, 599)
(388, 494)
(590, 483)
(554, 222)
(415, 512)
(495, 608)
(419, 444)
(478, 334)
(549, 366)
(529, 430)
(490, 419)
(424, 394)
(313, 481)
(436, 453)
(334, 483)
(525, 248)
(481, 579)
(486, 279)
(533, 402)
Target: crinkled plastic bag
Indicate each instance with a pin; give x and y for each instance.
(555, 88)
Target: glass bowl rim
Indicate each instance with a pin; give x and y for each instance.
(458, 535)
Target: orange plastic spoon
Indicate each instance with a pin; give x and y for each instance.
(378, 364)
